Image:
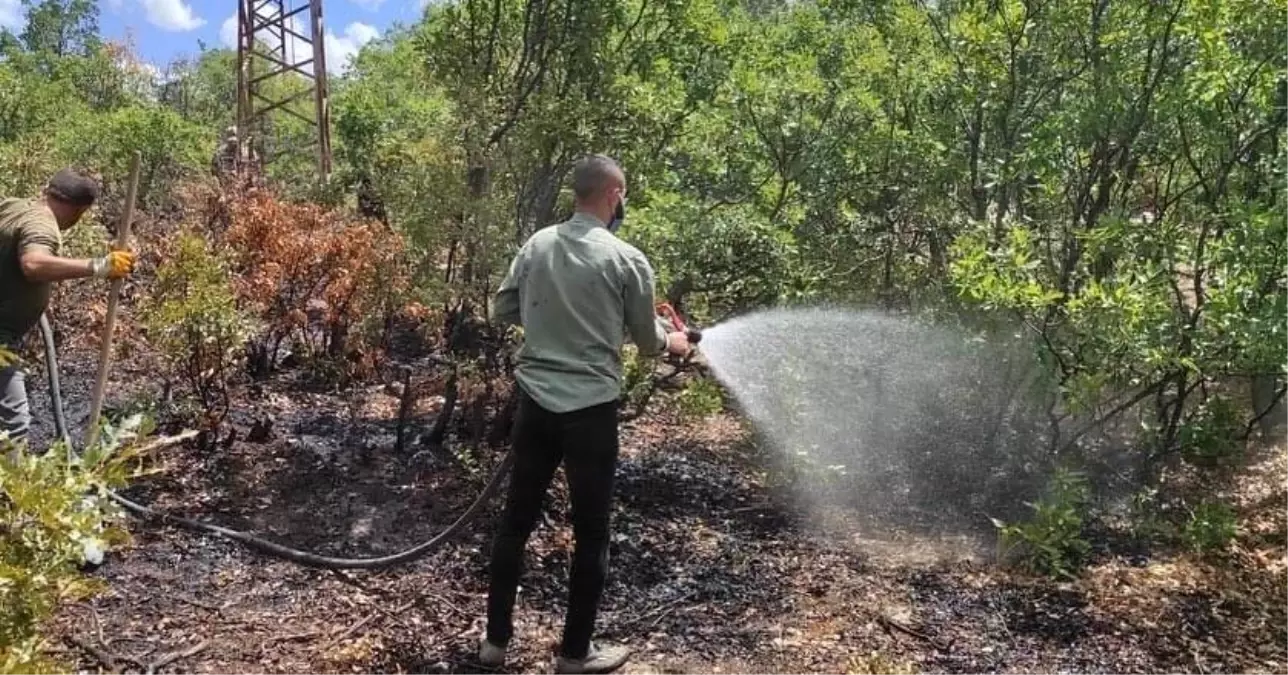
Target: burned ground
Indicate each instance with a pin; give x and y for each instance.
(716, 565)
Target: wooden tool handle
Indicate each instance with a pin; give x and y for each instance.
(113, 298)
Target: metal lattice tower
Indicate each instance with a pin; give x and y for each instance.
(269, 35)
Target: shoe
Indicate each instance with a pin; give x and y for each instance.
(491, 655)
(597, 660)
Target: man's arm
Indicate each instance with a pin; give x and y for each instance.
(39, 264)
(505, 306)
(641, 311)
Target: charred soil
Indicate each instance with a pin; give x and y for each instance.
(715, 567)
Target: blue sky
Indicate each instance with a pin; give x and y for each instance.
(161, 30)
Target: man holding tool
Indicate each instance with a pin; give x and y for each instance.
(30, 241)
(578, 292)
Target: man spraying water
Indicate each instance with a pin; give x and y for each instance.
(577, 291)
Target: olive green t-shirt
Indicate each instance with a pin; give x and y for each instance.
(579, 292)
(25, 224)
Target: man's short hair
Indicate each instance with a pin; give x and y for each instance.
(592, 173)
(72, 186)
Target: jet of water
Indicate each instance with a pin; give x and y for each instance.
(892, 413)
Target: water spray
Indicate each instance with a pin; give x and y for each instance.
(911, 421)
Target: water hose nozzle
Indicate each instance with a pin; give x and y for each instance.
(666, 311)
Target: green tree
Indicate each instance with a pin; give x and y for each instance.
(60, 27)
(203, 90)
(171, 148)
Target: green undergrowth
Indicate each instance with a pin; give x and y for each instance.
(55, 517)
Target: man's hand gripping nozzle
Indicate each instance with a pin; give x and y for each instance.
(666, 311)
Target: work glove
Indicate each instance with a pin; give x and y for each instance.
(115, 265)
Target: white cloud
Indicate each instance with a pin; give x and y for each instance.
(369, 5)
(341, 49)
(228, 32)
(11, 15)
(171, 15)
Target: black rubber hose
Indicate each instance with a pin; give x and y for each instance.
(308, 559)
(55, 389)
(297, 556)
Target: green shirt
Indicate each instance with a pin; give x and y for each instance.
(25, 225)
(579, 292)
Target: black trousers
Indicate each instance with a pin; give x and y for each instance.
(586, 442)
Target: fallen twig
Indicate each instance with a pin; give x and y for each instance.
(662, 615)
(1005, 628)
(104, 657)
(908, 630)
(167, 441)
(350, 631)
(306, 635)
(98, 626)
(347, 578)
(397, 613)
(197, 603)
(748, 508)
(167, 659)
(658, 613)
(445, 603)
(366, 620)
(110, 660)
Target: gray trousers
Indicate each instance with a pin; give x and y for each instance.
(15, 414)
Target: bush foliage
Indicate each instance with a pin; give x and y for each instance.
(192, 318)
(314, 278)
(1052, 541)
(54, 517)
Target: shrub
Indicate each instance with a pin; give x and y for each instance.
(637, 377)
(1210, 435)
(25, 165)
(193, 320)
(53, 517)
(1146, 519)
(701, 398)
(1211, 526)
(88, 239)
(1051, 542)
(313, 276)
